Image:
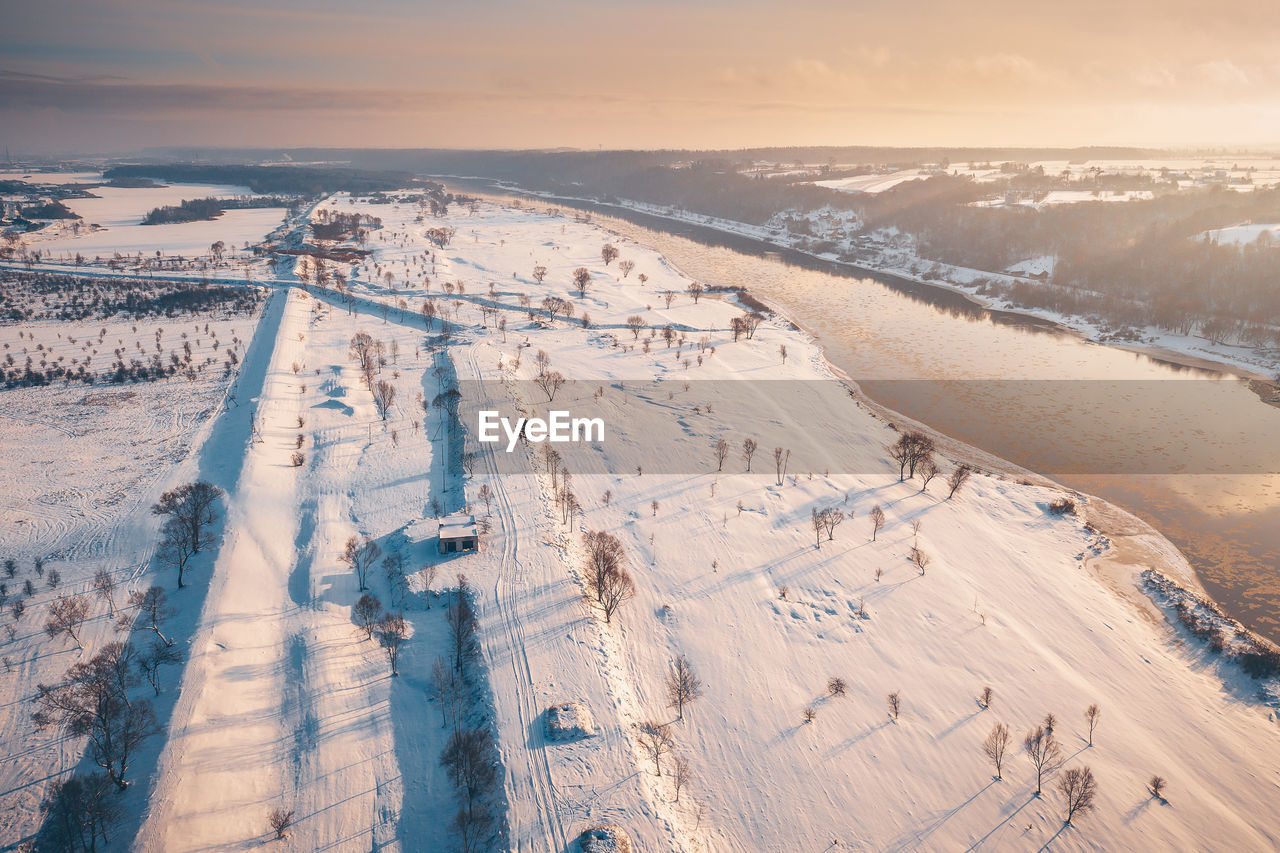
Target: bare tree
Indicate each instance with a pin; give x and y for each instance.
(193, 505)
(360, 556)
(91, 701)
(157, 655)
(280, 819)
(722, 453)
(366, 612)
(920, 559)
(928, 470)
(77, 812)
(909, 451)
(384, 395)
(468, 755)
(680, 773)
(985, 698)
(448, 690)
(837, 686)
(831, 519)
(1156, 786)
(153, 608)
(995, 745)
(550, 382)
(655, 739)
(176, 547)
(748, 450)
(1043, 752)
(695, 290)
(957, 479)
(635, 323)
(895, 704)
(429, 578)
(66, 615)
(392, 631)
(1078, 790)
(612, 591)
(539, 273)
(364, 350)
(582, 280)
(461, 617)
(683, 685)
(816, 519)
(780, 458)
(609, 253)
(1092, 714)
(877, 521)
(626, 267)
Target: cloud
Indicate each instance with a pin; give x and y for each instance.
(1005, 65)
(1222, 72)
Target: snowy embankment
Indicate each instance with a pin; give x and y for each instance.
(1015, 598)
(283, 703)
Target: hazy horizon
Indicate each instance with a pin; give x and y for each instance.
(126, 74)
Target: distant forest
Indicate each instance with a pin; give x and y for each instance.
(295, 180)
(197, 209)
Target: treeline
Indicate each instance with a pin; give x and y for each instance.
(51, 296)
(1137, 262)
(299, 180)
(335, 225)
(198, 209)
(48, 210)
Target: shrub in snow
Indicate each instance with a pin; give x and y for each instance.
(604, 839)
(569, 721)
(1062, 506)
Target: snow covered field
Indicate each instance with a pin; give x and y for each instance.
(117, 213)
(81, 466)
(282, 704)
(873, 183)
(1058, 634)
(1244, 234)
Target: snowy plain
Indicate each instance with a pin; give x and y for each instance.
(281, 703)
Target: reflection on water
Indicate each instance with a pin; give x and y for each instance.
(877, 328)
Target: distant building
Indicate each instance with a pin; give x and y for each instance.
(458, 533)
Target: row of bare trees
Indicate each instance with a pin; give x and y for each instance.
(470, 754)
(94, 699)
(914, 453)
(657, 739)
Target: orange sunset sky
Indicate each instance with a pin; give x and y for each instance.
(122, 74)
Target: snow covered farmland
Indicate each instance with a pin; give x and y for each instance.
(799, 639)
(82, 464)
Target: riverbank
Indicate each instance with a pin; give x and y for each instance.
(1184, 350)
(1190, 524)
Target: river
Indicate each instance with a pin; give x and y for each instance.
(1193, 451)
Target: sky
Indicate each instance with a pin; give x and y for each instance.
(119, 75)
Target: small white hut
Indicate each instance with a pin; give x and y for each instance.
(458, 533)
